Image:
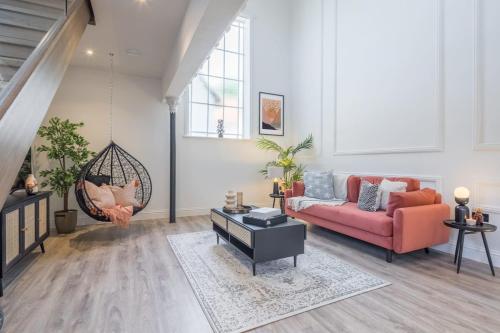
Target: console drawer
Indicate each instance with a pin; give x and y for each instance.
(241, 233)
(219, 220)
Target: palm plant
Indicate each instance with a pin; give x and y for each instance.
(292, 171)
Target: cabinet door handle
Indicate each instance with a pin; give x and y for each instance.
(24, 229)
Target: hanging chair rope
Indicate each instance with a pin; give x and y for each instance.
(111, 86)
(112, 166)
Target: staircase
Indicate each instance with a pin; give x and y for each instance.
(37, 41)
(23, 23)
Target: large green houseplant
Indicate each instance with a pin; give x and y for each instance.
(286, 159)
(69, 151)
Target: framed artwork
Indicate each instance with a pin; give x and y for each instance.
(271, 114)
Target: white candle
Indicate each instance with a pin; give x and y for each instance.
(471, 222)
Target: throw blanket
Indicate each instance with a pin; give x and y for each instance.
(119, 215)
(299, 203)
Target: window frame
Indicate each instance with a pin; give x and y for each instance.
(243, 81)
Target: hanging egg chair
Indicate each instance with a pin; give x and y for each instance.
(112, 166)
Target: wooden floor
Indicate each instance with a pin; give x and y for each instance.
(103, 279)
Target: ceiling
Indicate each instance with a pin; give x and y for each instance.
(149, 27)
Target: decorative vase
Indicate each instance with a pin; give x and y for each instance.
(239, 199)
(230, 199)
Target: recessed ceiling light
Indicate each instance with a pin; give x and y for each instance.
(89, 52)
(133, 52)
(141, 1)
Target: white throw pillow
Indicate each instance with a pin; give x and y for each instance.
(125, 196)
(386, 187)
(340, 186)
(101, 196)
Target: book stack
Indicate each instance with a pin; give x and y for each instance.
(265, 217)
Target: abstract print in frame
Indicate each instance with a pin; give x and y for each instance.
(271, 114)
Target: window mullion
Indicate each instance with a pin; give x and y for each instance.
(208, 93)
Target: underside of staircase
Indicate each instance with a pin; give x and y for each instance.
(37, 41)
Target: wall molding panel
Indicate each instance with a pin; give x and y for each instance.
(439, 111)
(479, 107)
(480, 189)
(435, 182)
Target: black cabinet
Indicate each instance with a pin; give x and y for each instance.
(25, 225)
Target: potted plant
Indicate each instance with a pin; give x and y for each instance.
(292, 171)
(69, 150)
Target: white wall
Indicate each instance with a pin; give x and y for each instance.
(206, 168)
(391, 89)
(140, 121)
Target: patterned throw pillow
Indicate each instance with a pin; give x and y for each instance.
(368, 197)
(319, 185)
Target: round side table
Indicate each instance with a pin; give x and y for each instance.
(281, 198)
(464, 229)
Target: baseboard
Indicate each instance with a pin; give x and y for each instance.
(83, 219)
(473, 253)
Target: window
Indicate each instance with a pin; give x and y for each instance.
(220, 89)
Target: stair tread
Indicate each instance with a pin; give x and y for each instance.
(18, 41)
(60, 4)
(25, 20)
(31, 9)
(10, 61)
(7, 72)
(15, 51)
(21, 33)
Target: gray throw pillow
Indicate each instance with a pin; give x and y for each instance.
(319, 185)
(368, 197)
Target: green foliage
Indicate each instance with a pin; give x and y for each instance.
(286, 159)
(69, 149)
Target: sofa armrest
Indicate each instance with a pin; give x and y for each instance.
(288, 193)
(420, 227)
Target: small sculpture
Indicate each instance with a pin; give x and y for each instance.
(479, 216)
(31, 185)
(220, 128)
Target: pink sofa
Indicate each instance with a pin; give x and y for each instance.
(411, 228)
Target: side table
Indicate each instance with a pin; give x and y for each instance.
(464, 229)
(281, 198)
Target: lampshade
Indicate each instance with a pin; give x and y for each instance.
(462, 193)
(275, 172)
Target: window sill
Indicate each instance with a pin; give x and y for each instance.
(187, 136)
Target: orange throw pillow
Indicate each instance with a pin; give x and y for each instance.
(427, 196)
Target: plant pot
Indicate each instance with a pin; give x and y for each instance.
(65, 221)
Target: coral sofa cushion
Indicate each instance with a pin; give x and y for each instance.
(298, 189)
(350, 215)
(101, 196)
(427, 196)
(354, 183)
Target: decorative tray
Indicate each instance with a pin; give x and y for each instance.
(237, 210)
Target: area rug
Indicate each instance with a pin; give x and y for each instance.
(235, 301)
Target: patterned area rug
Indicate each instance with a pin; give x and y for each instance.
(235, 301)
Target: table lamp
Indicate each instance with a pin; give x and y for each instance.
(462, 199)
(275, 173)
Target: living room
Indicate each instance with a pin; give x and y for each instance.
(264, 166)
